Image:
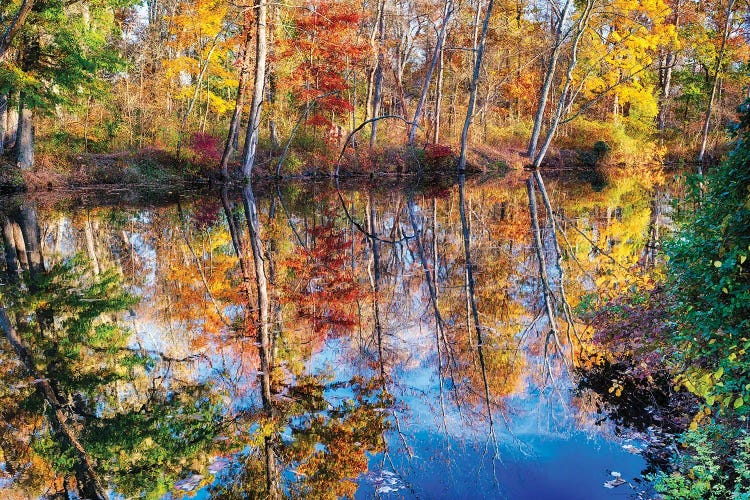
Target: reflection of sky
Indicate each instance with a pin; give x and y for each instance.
(543, 455)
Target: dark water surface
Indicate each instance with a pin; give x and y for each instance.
(389, 376)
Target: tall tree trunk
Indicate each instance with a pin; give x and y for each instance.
(473, 87)
(234, 124)
(438, 100)
(272, 127)
(447, 11)
(253, 125)
(715, 83)
(561, 104)
(11, 128)
(25, 137)
(377, 86)
(14, 27)
(3, 121)
(548, 78)
(666, 74)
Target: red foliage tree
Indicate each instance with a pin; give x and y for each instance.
(326, 41)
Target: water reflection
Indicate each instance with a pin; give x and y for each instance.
(315, 341)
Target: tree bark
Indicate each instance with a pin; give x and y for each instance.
(14, 27)
(377, 86)
(3, 121)
(561, 104)
(234, 124)
(25, 138)
(473, 88)
(11, 128)
(548, 78)
(714, 85)
(253, 125)
(438, 100)
(447, 11)
(29, 226)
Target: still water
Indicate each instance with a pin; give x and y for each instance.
(391, 340)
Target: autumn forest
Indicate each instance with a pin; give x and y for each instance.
(374, 249)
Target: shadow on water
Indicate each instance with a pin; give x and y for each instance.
(313, 340)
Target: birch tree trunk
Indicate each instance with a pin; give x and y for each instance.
(438, 99)
(377, 85)
(11, 127)
(548, 78)
(447, 11)
(3, 121)
(253, 125)
(25, 138)
(714, 85)
(473, 88)
(561, 103)
(234, 124)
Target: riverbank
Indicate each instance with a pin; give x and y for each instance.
(162, 170)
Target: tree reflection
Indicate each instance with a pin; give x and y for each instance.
(90, 408)
(303, 338)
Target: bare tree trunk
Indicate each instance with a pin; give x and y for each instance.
(3, 121)
(561, 104)
(548, 78)
(473, 88)
(377, 87)
(234, 124)
(11, 128)
(666, 75)
(714, 85)
(25, 138)
(546, 290)
(272, 128)
(447, 11)
(253, 125)
(665, 91)
(6, 39)
(438, 100)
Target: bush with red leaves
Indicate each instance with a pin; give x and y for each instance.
(207, 148)
(438, 156)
